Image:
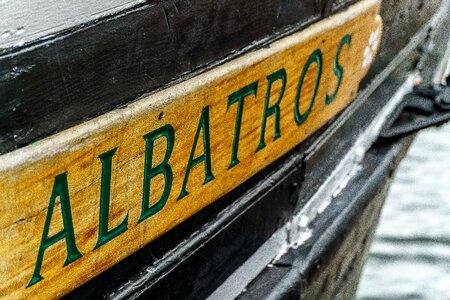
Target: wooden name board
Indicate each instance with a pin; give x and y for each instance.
(74, 204)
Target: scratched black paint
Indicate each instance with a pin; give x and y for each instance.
(54, 84)
(51, 85)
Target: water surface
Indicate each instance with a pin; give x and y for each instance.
(410, 256)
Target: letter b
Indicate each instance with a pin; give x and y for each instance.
(163, 168)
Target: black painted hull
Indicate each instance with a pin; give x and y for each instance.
(329, 264)
(226, 234)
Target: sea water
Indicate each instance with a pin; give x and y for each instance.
(410, 256)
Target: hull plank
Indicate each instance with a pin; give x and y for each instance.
(78, 202)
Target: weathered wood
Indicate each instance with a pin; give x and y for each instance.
(81, 72)
(64, 180)
(24, 22)
(225, 246)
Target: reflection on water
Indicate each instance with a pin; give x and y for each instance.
(410, 256)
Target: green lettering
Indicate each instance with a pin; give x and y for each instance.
(61, 190)
(238, 97)
(163, 168)
(338, 69)
(104, 235)
(203, 125)
(315, 57)
(274, 109)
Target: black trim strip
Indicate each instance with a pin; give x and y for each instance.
(84, 71)
(328, 265)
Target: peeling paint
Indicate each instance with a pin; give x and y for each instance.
(298, 230)
(25, 21)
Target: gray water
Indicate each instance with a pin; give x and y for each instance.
(410, 256)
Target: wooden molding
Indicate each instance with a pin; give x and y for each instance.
(86, 198)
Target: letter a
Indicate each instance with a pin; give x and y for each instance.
(61, 190)
(203, 125)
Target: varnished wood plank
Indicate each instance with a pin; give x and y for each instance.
(57, 184)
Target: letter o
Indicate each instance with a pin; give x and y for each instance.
(315, 57)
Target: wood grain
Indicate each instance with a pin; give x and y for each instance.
(199, 105)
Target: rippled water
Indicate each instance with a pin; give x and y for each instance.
(410, 256)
